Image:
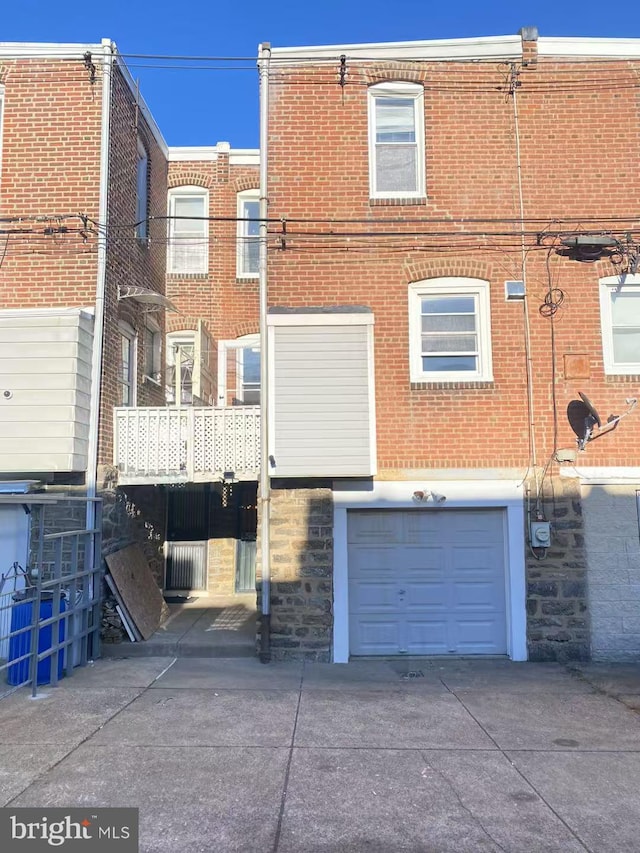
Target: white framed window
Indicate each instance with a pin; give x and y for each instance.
(188, 248)
(248, 234)
(620, 319)
(396, 140)
(181, 362)
(142, 191)
(450, 330)
(152, 350)
(1, 114)
(127, 367)
(239, 371)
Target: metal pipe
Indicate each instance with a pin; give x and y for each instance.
(265, 479)
(101, 279)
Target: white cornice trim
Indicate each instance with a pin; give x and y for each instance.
(614, 48)
(45, 50)
(610, 475)
(210, 153)
(484, 48)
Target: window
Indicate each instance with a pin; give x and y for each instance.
(1, 110)
(396, 140)
(152, 350)
(188, 230)
(450, 330)
(127, 367)
(248, 234)
(180, 367)
(248, 375)
(620, 317)
(142, 191)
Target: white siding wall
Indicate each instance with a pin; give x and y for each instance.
(322, 395)
(45, 388)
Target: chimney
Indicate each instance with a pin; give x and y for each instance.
(529, 37)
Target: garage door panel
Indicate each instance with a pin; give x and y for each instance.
(367, 597)
(478, 636)
(426, 596)
(478, 594)
(375, 636)
(375, 527)
(427, 637)
(426, 582)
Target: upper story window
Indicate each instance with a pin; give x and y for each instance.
(450, 330)
(127, 367)
(142, 191)
(620, 318)
(396, 140)
(248, 234)
(188, 250)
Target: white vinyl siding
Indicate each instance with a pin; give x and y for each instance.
(322, 397)
(620, 317)
(45, 389)
(396, 140)
(450, 330)
(188, 230)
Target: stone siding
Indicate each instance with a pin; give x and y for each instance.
(557, 610)
(613, 557)
(301, 573)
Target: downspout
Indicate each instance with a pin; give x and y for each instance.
(265, 479)
(98, 322)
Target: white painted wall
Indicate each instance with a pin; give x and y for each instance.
(612, 541)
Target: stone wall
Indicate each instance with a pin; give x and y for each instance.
(557, 610)
(301, 573)
(221, 566)
(613, 557)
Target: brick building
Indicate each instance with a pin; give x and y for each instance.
(452, 260)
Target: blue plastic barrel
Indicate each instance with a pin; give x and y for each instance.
(20, 645)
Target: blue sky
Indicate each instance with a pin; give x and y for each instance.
(202, 107)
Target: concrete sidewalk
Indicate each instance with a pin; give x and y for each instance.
(230, 755)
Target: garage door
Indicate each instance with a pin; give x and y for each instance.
(426, 582)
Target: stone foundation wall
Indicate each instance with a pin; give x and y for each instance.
(301, 573)
(557, 601)
(221, 567)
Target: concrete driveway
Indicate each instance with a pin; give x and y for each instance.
(230, 755)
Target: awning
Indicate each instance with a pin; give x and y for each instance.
(151, 299)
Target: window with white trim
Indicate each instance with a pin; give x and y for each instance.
(188, 249)
(396, 140)
(181, 363)
(142, 191)
(152, 350)
(248, 373)
(127, 366)
(450, 330)
(1, 114)
(248, 234)
(620, 319)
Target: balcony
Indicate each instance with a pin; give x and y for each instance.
(186, 445)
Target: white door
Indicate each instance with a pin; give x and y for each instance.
(14, 532)
(426, 582)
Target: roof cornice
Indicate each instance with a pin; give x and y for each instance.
(603, 48)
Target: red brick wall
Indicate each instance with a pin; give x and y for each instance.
(130, 261)
(228, 306)
(50, 165)
(577, 161)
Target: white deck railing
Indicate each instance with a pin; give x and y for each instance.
(183, 444)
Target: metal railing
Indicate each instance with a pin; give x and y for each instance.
(186, 444)
(50, 609)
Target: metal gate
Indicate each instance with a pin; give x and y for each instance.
(186, 566)
(50, 607)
